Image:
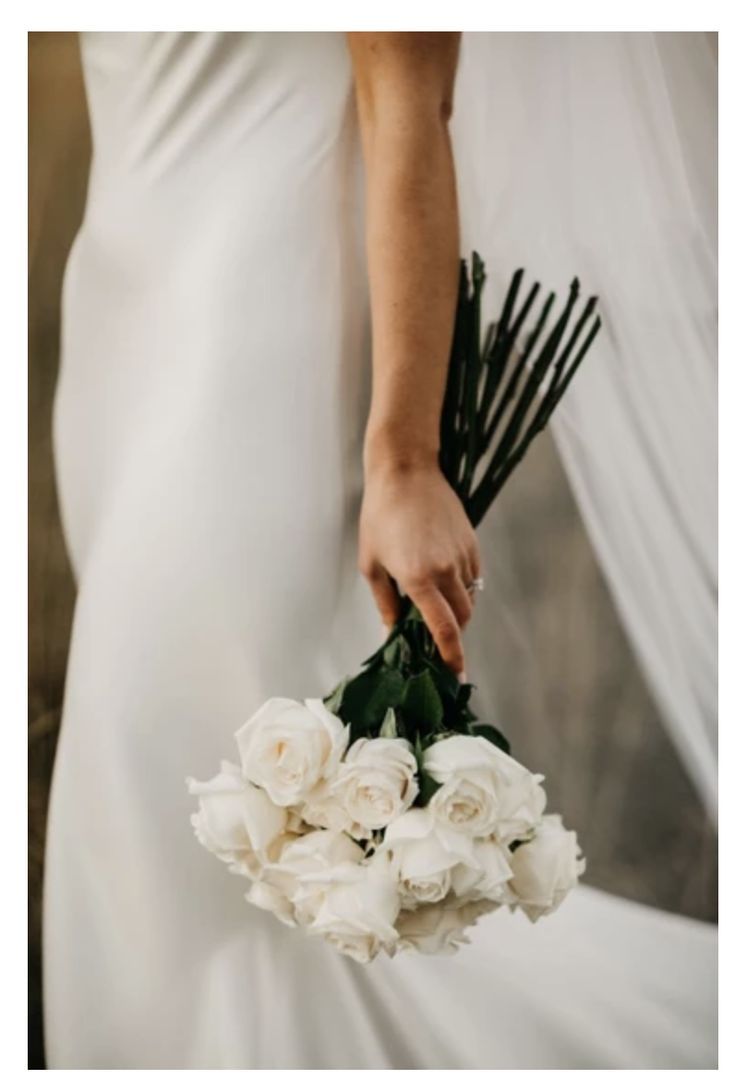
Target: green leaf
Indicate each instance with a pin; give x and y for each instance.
(389, 727)
(421, 704)
(464, 721)
(377, 656)
(406, 653)
(398, 653)
(445, 681)
(455, 696)
(463, 695)
(427, 784)
(427, 787)
(333, 700)
(402, 729)
(492, 735)
(413, 614)
(368, 697)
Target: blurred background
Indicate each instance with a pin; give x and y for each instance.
(564, 673)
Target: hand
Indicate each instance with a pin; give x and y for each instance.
(414, 529)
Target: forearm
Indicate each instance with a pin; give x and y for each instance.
(414, 532)
(413, 254)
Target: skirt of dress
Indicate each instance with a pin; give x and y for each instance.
(212, 396)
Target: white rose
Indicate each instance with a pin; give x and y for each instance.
(236, 821)
(377, 781)
(322, 808)
(315, 856)
(483, 790)
(439, 928)
(546, 868)
(522, 803)
(288, 747)
(467, 805)
(358, 907)
(488, 877)
(267, 895)
(422, 856)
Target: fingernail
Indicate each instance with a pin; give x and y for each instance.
(462, 676)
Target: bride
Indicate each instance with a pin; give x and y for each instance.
(257, 315)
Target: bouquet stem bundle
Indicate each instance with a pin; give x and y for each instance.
(488, 416)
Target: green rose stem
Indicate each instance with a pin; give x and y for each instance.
(476, 407)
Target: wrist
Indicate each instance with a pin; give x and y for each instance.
(388, 451)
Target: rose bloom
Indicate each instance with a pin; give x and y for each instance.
(422, 856)
(322, 808)
(377, 781)
(288, 747)
(483, 790)
(488, 877)
(314, 855)
(236, 821)
(358, 907)
(440, 928)
(546, 868)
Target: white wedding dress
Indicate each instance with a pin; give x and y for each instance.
(209, 415)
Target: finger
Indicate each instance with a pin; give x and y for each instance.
(474, 562)
(385, 595)
(458, 597)
(471, 569)
(443, 625)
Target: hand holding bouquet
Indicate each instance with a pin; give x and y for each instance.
(386, 816)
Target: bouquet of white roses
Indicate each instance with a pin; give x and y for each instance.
(386, 816)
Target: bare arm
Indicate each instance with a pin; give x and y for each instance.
(413, 528)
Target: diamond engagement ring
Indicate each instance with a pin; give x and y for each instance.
(478, 584)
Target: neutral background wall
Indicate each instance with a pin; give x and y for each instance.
(566, 685)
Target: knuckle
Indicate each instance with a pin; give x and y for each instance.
(441, 570)
(416, 581)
